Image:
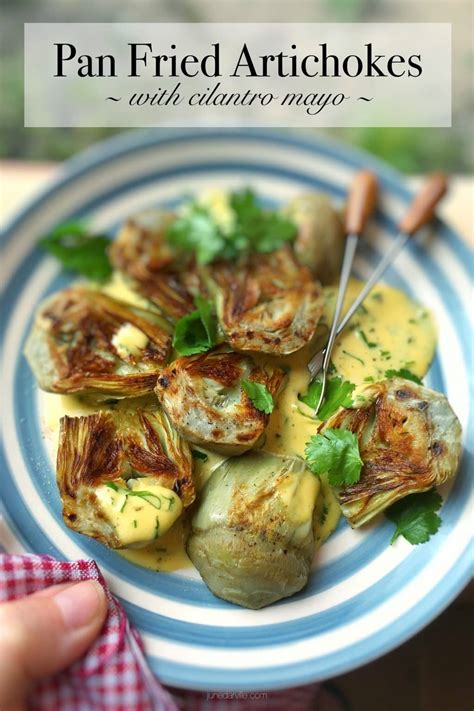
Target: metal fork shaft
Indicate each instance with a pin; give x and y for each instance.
(317, 361)
(349, 252)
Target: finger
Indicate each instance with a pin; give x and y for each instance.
(51, 591)
(41, 635)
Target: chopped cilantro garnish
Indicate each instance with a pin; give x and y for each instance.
(79, 250)
(338, 394)
(415, 516)
(351, 355)
(259, 395)
(262, 230)
(199, 455)
(170, 501)
(197, 232)
(254, 229)
(369, 344)
(403, 373)
(151, 498)
(196, 332)
(335, 452)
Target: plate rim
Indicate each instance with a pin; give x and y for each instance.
(130, 141)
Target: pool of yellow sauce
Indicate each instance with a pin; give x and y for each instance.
(390, 331)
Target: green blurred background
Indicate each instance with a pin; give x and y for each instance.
(412, 150)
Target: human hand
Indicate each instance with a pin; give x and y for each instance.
(44, 633)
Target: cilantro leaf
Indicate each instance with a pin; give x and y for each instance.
(361, 334)
(263, 230)
(197, 454)
(197, 232)
(260, 396)
(196, 332)
(335, 452)
(403, 373)
(338, 394)
(79, 250)
(415, 516)
(254, 229)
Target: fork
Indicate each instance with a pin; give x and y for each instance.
(360, 205)
(419, 212)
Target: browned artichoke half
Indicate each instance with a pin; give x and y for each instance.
(72, 347)
(204, 399)
(108, 447)
(319, 242)
(252, 535)
(154, 268)
(409, 441)
(270, 304)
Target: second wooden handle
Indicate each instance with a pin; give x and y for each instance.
(422, 207)
(361, 201)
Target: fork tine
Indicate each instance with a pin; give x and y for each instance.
(316, 363)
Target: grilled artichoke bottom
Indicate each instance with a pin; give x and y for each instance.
(252, 537)
(124, 478)
(410, 440)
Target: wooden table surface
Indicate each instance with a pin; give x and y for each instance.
(434, 670)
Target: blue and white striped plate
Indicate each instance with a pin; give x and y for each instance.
(364, 597)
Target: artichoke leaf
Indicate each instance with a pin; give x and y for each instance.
(206, 403)
(319, 243)
(252, 536)
(123, 477)
(409, 440)
(153, 266)
(84, 341)
(270, 303)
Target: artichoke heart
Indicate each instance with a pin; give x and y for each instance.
(124, 477)
(204, 399)
(83, 341)
(252, 537)
(271, 304)
(319, 242)
(409, 441)
(143, 255)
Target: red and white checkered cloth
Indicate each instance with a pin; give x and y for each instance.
(114, 674)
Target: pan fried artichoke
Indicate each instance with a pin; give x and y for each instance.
(204, 399)
(320, 239)
(123, 478)
(271, 304)
(84, 341)
(409, 441)
(252, 536)
(142, 254)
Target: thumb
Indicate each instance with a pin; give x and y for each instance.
(45, 632)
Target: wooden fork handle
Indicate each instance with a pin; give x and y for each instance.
(361, 201)
(422, 207)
